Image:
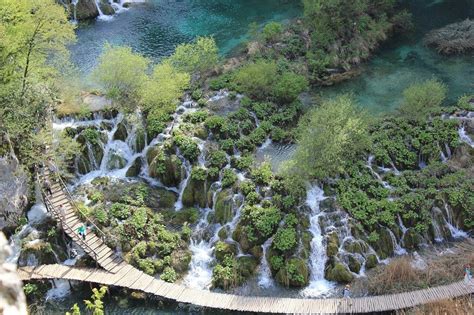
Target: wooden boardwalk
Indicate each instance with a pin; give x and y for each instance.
(116, 272)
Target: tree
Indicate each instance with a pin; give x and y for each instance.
(421, 98)
(257, 79)
(199, 56)
(332, 136)
(122, 73)
(288, 86)
(271, 30)
(74, 310)
(95, 304)
(164, 87)
(33, 44)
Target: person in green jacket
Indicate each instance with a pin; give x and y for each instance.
(82, 231)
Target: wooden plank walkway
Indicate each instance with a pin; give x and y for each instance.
(137, 280)
(117, 272)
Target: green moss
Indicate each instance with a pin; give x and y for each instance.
(339, 273)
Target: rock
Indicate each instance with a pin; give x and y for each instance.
(134, 170)
(189, 215)
(371, 261)
(332, 247)
(14, 193)
(140, 140)
(339, 273)
(167, 168)
(86, 9)
(12, 298)
(354, 264)
(455, 38)
(355, 246)
(383, 246)
(242, 238)
(106, 8)
(223, 249)
(328, 205)
(411, 239)
(201, 132)
(121, 132)
(36, 252)
(222, 233)
(223, 207)
(180, 260)
(195, 193)
(96, 102)
(306, 239)
(294, 274)
(257, 251)
(116, 161)
(246, 266)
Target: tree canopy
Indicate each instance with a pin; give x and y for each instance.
(332, 135)
(199, 56)
(421, 98)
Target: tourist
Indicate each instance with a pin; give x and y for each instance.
(82, 231)
(346, 293)
(467, 273)
(62, 212)
(47, 186)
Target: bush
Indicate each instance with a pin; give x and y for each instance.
(422, 98)
(285, 239)
(263, 174)
(188, 147)
(271, 31)
(257, 79)
(120, 211)
(169, 275)
(228, 178)
(289, 86)
(199, 56)
(217, 158)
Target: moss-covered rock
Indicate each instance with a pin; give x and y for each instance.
(339, 273)
(333, 244)
(295, 273)
(116, 161)
(371, 261)
(241, 237)
(140, 140)
(195, 193)
(189, 215)
(180, 260)
(165, 167)
(383, 245)
(222, 233)
(257, 251)
(411, 239)
(121, 132)
(223, 207)
(306, 238)
(246, 266)
(134, 170)
(223, 249)
(201, 132)
(355, 246)
(37, 252)
(86, 9)
(354, 264)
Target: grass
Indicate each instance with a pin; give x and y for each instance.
(444, 307)
(400, 275)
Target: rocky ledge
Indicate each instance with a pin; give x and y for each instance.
(456, 38)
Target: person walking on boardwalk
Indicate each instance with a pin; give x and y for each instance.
(346, 294)
(467, 273)
(82, 231)
(47, 186)
(62, 212)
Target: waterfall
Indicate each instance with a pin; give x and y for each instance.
(455, 231)
(438, 236)
(74, 4)
(465, 137)
(182, 186)
(265, 279)
(397, 248)
(377, 176)
(102, 16)
(317, 285)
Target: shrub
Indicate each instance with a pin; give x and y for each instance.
(199, 56)
(120, 211)
(187, 146)
(289, 86)
(262, 175)
(285, 239)
(256, 79)
(420, 99)
(271, 31)
(217, 158)
(169, 275)
(228, 178)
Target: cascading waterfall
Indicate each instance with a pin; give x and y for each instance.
(465, 137)
(200, 271)
(182, 186)
(455, 231)
(265, 279)
(317, 285)
(397, 248)
(377, 176)
(74, 13)
(438, 236)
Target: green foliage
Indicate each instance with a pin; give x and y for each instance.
(187, 146)
(121, 72)
(95, 304)
(289, 86)
(332, 136)
(262, 175)
(243, 163)
(199, 56)
(271, 31)
(120, 211)
(169, 275)
(199, 174)
(75, 310)
(228, 178)
(257, 79)
(285, 239)
(421, 99)
(261, 220)
(30, 289)
(217, 158)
